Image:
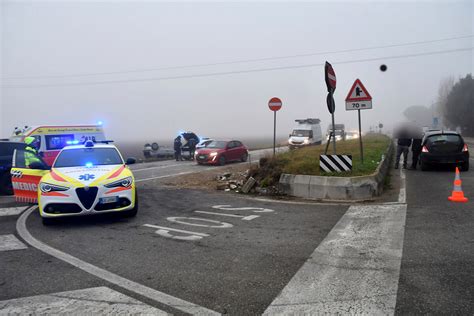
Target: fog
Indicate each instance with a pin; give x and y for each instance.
(126, 63)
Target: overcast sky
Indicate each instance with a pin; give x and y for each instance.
(42, 41)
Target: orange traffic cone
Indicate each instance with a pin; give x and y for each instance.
(457, 195)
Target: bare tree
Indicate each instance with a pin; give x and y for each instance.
(459, 107)
(440, 107)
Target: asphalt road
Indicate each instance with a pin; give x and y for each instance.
(237, 270)
(437, 272)
(168, 168)
(187, 253)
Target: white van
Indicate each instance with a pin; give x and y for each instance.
(52, 139)
(306, 132)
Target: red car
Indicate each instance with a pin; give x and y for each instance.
(221, 152)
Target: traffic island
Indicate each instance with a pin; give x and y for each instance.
(340, 188)
(297, 172)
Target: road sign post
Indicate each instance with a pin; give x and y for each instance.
(360, 140)
(359, 99)
(330, 78)
(275, 105)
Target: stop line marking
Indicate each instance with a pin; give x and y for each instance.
(248, 208)
(10, 242)
(92, 301)
(10, 211)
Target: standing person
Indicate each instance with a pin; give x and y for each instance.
(31, 151)
(403, 146)
(177, 148)
(415, 151)
(31, 144)
(192, 147)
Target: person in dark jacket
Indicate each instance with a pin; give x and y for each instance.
(177, 148)
(192, 147)
(415, 151)
(403, 146)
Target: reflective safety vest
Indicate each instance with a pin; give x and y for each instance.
(31, 156)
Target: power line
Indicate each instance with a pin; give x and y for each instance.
(242, 61)
(238, 71)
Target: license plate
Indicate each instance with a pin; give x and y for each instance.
(108, 199)
(201, 157)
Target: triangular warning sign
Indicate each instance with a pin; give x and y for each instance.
(358, 93)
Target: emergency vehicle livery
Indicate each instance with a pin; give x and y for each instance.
(85, 179)
(52, 139)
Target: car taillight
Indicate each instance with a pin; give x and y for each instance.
(465, 148)
(424, 150)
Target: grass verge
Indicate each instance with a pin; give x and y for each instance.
(305, 161)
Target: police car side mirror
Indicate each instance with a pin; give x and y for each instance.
(130, 161)
(39, 166)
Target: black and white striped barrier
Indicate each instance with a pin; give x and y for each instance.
(335, 163)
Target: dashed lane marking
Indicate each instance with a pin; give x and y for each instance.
(11, 211)
(113, 278)
(10, 242)
(355, 270)
(92, 301)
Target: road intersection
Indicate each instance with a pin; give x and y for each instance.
(195, 252)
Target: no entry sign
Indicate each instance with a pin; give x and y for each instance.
(330, 77)
(274, 104)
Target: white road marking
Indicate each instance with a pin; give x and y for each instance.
(158, 167)
(122, 282)
(355, 270)
(345, 203)
(165, 232)
(402, 195)
(10, 242)
(254, 209)
(244, 218)
(92, 301)
(171, 175)
(180, 220)
(10, 211)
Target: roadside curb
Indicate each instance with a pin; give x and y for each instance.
(338, 188)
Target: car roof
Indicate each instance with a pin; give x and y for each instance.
(11, 142)
(441, 132)
(95, 146)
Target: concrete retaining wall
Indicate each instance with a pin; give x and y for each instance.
(338, 188)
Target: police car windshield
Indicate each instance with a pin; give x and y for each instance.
(88, 157)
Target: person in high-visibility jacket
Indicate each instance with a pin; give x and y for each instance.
(31, 152)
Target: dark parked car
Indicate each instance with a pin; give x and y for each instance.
(6, 155)
(221, 152)
(442, 148)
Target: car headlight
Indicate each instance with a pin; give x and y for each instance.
(125, 182)
(213, 154)
(48, 187)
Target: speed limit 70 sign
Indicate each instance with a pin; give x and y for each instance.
(358, 97)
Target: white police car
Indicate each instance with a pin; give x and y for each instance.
(85, 179)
